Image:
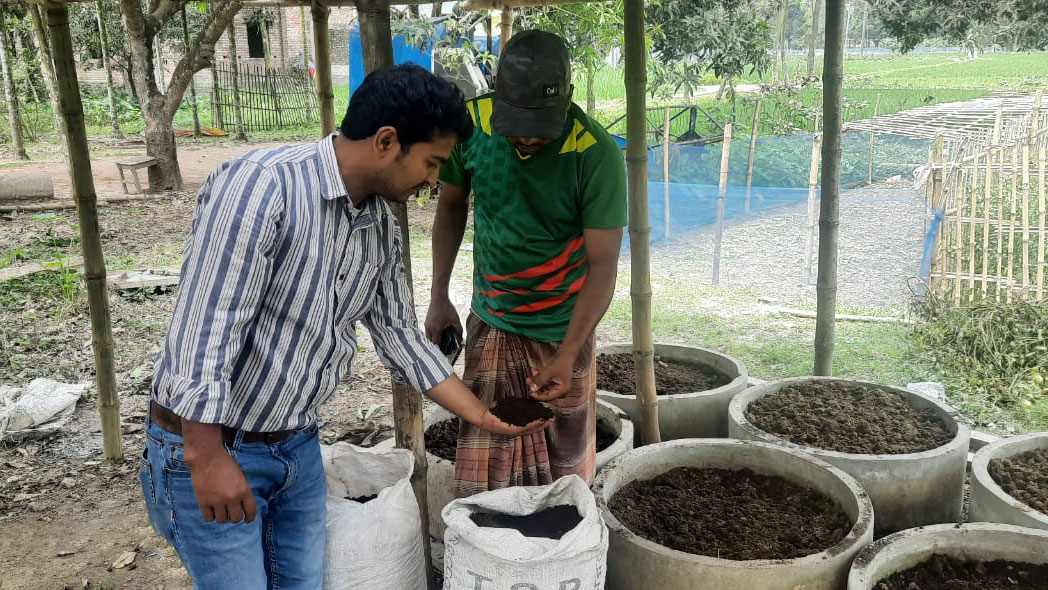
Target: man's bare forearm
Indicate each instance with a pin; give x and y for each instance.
(449, 226)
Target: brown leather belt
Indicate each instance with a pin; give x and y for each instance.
(172, 423)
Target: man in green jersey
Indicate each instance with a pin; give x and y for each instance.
(549, 191)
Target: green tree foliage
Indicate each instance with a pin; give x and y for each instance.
(690, 37)
(1022, 23)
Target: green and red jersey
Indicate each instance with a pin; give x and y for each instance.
(529, 213)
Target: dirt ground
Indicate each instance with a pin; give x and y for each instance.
(66, 516)
(195, 161)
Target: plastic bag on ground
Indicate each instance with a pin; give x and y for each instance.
(495, 559)
(375, 545)
(42, 408)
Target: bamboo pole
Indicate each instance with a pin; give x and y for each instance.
(506, 27)
(14, 116)
(972, 222)
(722, 194)
(666, 175)
(753, 142)
(876, 113)
(1000, 228)
(813, 183)
(1013, 199)
(322, 48)
(753, 151)
(959, 235)
(1042, 209)
(86, 200)
(192, 82)
(938, 172)
(234, 77)
(639, 223)
(1026, 216)
(829, 217)
(1001, 155)
(987, 199)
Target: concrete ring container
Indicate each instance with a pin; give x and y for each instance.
(701, 414)
(440, 476)
(907, 490)
(620, 423)
(635, 562)
(990, 503)
(981, 541)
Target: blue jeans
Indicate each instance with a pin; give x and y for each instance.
(282, 549)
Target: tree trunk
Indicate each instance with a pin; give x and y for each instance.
(107, 63)
(377, 42)
(639, 222)
(47, 66)
(784, 75)
(238, 113)
(816, 15)
(270, 78)
(438, 9)
(847, 23)
(591, 91)
(192, 83)
(322, 46)
(829, 214)
(305, 38)
(865, 19)
(14, 116)
(86, 205)
(160, 143)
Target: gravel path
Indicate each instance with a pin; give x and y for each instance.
(881, 240)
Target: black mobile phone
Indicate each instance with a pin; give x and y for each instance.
(451, 343)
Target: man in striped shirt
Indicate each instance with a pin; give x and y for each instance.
(290, 248)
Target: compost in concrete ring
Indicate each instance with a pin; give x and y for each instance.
(949, 573)
(1025, 478)
(617, 373)
(848, 417)
(442, 438)
(552, 523)
(520, 411)
(729, 514)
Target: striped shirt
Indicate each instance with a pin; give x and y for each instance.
(278, 269)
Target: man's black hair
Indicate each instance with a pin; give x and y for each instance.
(411, 100)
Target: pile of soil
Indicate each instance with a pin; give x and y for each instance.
(730, 514)
(605, 436)
(442, 439)
(1025, 478)
(848, 418)
(616, 373)
(954, 574)
(362, 499)
(551, 523)
(520, 411)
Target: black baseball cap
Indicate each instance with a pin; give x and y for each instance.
(532, 87)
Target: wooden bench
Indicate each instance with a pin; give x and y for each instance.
(134, 165)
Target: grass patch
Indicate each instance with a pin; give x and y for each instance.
(994, 359)
(773, 346)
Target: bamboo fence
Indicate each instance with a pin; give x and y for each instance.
(990, 193)
(270, 99)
